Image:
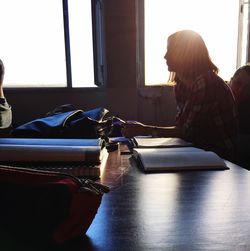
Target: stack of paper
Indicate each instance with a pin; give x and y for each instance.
(81, 157)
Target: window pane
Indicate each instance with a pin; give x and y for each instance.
(32, 42)
(81, 43)
(243, 34)
(215, 20)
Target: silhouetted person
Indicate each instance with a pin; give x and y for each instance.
(5, 108)
(206, 109)
(240, 85)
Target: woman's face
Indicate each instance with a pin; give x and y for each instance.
(170, 60)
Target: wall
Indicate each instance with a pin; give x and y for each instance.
(121, 97)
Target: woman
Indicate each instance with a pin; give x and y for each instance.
(206, 110)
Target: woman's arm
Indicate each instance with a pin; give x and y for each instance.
(131, 129)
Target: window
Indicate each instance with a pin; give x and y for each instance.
(215, 20)
(48, 43)
(243, 34)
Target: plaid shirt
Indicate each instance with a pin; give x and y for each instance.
(207, 112)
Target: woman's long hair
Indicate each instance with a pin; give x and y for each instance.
(190, 55)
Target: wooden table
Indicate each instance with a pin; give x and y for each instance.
(196, 210)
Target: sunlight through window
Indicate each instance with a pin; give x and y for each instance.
(215, 20)
(80, 26)
(32, 44)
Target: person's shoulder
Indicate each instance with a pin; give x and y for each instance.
(208, 78)
(200, 82)
(218, 81)
(214, 77)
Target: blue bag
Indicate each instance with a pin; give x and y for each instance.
(67, 124)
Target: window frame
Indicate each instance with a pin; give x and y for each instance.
(98, 44)
(140, 55)
(140, 33)
(241, 34)
(99, 56)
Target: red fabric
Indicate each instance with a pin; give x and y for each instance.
(23, 175)
(84, 206)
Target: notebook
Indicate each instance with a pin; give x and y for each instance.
(177, 159)
(51, 141)
(75, 168)
(161, 142)
(80, 157)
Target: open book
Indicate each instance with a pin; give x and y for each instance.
(150, 142)
(80, 157)
(177, 159)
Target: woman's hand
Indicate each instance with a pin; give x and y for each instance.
(133, 128)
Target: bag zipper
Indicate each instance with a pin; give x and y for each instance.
(94, 186)
(88, 184)
(84, 184)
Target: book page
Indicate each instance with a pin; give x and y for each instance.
(143, 142)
